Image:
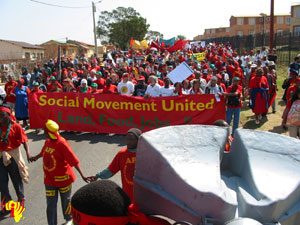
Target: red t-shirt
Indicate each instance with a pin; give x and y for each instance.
(16, 137)
(100, 82)
(9, 87)
(239, 90)
(111, 89)
(290, 91)
(124, 161)
(58, 160)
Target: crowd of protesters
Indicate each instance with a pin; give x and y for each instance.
(223, 72)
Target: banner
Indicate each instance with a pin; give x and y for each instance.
(199, 56)
(114, 113)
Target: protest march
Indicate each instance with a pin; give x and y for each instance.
(160, 131)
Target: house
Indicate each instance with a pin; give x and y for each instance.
(251, 25)
(17, 50)
(295, 19)
(83, 48)
(67, 49)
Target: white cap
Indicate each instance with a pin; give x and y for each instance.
(83, 81)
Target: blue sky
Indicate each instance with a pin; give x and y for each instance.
(24, 20)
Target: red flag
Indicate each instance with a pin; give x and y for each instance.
(179, 45)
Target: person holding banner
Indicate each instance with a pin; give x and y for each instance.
(153, 89)
(196, 88)
(125, 87)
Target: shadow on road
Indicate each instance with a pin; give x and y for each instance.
(250, 124)
(78, 137)
(278, 130)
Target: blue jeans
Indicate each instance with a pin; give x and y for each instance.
(11, 171)
(236, 117)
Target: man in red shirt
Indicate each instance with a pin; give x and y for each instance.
(10, 96)
(58, 160)
(12, 164)
(234, 104)
(124, 161)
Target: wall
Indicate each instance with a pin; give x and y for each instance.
(10, 51)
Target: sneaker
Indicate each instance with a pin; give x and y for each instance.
(257, 122)
(69, 222)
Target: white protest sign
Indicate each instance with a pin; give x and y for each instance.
(180, 73)
(203, 44)
(111, 58)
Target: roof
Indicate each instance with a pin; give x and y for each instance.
(59, 43)
(80, 43)
(23, 44)
(250, 16)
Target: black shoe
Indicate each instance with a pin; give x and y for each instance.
(4, 213)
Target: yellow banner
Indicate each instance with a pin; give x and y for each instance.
(199, 56)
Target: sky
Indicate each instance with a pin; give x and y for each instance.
(24, 20)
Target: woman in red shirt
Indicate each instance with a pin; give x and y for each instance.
(259, 95)
(12, 164)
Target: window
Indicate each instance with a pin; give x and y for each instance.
(288, 20)
(251, 32)
(297, 12)
(213, 31)
(251, 21)
(280, 20)
(297, 31)
(42, 55)
(240, 21)
(27, 55)
(227, 29)
(240, 33)
(33, 55)
(279, 32)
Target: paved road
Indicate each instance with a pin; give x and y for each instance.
(95, 153)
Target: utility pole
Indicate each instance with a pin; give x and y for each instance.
(272, 27)
(95, 30)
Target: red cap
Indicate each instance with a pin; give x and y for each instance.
(141, 78)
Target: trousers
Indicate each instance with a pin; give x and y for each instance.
(52, 199)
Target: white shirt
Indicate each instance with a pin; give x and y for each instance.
(166, 91)
(153, 91)
(2, 92)
(203, 84)
(186, 91)
(126, 88)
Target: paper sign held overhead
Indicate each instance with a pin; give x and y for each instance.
(180, 73)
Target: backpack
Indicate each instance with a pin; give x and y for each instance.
(293, 118)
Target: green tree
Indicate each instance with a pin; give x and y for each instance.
(120, 25)
(181, 37)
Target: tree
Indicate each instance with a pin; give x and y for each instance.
(120, 25)
(181, 37)
(152, 35)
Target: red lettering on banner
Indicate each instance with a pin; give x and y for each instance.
(116, 114)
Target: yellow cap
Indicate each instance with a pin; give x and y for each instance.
(52, 128)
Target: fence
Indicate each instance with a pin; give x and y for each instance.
(287, 44)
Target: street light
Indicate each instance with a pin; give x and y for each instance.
(264, 16)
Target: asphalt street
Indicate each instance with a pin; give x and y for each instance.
(95, 153)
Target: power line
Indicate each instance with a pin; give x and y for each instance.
(60, 6)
